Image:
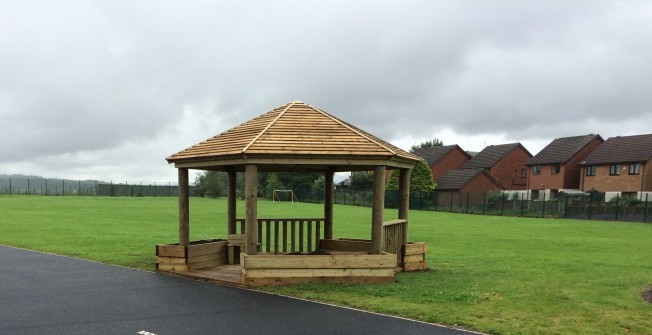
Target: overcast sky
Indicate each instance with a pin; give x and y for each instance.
(107, 89)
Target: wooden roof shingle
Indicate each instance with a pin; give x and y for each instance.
(295, 130)
(560, 150)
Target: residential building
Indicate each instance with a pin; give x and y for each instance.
(465, 185)
(443, 159)
(505, 163)
(621, 166)
(557, 166)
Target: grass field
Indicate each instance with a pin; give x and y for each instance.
(497, 275)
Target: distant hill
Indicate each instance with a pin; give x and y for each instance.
(19, 176)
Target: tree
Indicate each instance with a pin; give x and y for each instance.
(429, 144)
(211, 184)
(420, 178)
(362, 181)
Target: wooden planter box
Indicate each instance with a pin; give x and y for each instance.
(269, 269)
(198, 255)
(414, 258)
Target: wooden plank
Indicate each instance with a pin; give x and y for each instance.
(300, 222)
(268, 236)
(172, 267)
(414, 258)
(318, 261)
(220, 257)
(255, 282)
(285, 235)
(207, 248)
(377, 210)
(417, 266)
(328, 204)
(276, 237)
(394, 222)
(231, 200)
(204, 265)
(293, 238)
(302, 273)
(170, 260)
(170, 250)
(345, 245)
(309, 234)
(416, 248)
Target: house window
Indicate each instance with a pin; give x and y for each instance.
(523, 173)
(635, 168)
(554, 169)
(590, 170)
(536, 169)
(614, 170)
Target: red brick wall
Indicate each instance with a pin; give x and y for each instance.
(625, 182)
(569, 175)
(454, 159)
(508, 170)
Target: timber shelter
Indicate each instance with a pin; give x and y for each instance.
(295, 137)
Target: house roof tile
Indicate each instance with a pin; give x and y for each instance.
(454, 180)
(560, 150)
(491, 155)
(433, 154)
(622, 149)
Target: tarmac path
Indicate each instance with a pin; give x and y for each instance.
(48, 294)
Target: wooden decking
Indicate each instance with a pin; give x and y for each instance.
(228, 275)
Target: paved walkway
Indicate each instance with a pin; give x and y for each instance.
(48, 294)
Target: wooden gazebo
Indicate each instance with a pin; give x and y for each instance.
(294, 137)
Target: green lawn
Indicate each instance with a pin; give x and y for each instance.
(492, 274)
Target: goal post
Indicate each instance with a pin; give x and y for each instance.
(275, 195)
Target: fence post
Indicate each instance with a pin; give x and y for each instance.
(589, 213)
(565, 205)
(9, 186)
(647, 195)
(451, 209)
(467, 202)
(63, 187)
(522, 198)
(543, 205)
(27, 191)
(501, 203)
(617, 201)
(484, 202)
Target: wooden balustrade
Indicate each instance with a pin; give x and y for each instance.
(288, 235)
(393, 238)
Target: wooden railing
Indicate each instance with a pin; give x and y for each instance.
(288, 235)
(393, 238)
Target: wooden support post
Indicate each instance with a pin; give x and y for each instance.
(251, 218)
(404, 201)
(184, 208)
(377, 209)
(328, 204)
(231, 196)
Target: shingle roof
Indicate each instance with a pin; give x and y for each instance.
(490, 155)
(433, 154)
(622, 149)
(294, 130)
(560, 150)
(456, 179)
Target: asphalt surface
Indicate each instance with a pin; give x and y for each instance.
(48, 294)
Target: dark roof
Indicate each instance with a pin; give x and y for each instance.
(456, 179)
(433, 154)
(560, 150)
(490, 155)
(622, 149)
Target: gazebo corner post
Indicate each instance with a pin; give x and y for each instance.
(328, 204)
(377, 210)
(404, 201)
(184, 208)
(251, 218)
(231, 200)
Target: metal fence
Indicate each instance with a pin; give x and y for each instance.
(588, 207)
(65, 187)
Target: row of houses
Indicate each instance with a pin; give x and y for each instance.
(619, 166)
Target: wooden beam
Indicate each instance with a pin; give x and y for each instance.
(328, 204)
(251, 218)
(184, 208)
(404, 200)
(377, 209)
(231, 196)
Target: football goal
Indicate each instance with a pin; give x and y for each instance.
(284, 195)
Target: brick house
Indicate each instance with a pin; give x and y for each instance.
(505, 163)
(557, 166)
(622, 166)
(443, 159)
(471, 184)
